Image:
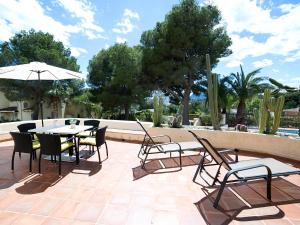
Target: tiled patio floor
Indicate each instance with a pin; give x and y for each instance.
(120, 192)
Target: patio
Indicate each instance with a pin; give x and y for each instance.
(120, 192)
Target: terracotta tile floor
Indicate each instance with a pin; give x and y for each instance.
(120, 192)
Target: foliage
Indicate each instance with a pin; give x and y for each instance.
(174, 51)
(158, 106)
(267, 105)
(292, 100)
(212, 90)
(279, 87)
(244, 87)
(205, 120)
(144, 115)
(93, 110)
(29, 46)
(176, 121)
(113, 77)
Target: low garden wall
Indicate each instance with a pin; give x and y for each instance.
(286, 147)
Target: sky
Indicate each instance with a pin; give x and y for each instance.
(265, 33)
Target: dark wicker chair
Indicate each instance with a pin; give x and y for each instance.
(23, 143)
(96, 141)
(90, 132)
(51, 145)
(24, 128)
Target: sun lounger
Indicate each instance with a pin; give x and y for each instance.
(245, 170)
(150, 146)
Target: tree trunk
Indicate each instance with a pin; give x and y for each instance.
(126, 112)
(241, 113)
(185, 103)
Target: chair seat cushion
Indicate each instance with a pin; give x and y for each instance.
(183, 146)
(36, 145)
(84, 134)
(277, 168)
(66, 146)
(88, 141)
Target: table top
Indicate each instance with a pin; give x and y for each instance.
(65, 129)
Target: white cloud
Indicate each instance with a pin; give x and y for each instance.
(76, 51)
(286, 8)
(106, 46)
(234, 63)
(275, 70)
(26, 14)
(125, 25)
(282, 33)
(262, 63)
(83, 10)
(121, 40)
(131, 14)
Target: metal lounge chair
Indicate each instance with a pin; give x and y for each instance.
(245, 170)
(149, 146)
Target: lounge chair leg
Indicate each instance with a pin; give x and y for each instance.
(217, 174)
(13, 160)
(221, 190)
(269, 195)
(180, 161)
(19, 154)
(144, 161)
(142, 146)
(199, 168)
(30, 162)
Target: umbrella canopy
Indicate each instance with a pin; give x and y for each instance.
(37, 71)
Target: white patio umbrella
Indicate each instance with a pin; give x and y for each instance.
(38, 71)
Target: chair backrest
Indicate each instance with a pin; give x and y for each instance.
(24, 127)
(146, 133)
(50, 144)
(94, 123)
(100, 136)
(22, 141)
(68, 122)
(218, 158)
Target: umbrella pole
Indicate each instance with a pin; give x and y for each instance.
(41, 101)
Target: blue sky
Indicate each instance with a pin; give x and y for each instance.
(265, 33)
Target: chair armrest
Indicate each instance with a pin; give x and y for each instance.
(229, 173)
(159, 145)
(234, 150)
(159, 136)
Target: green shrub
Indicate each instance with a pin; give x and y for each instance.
(144, 115)
(205, 120)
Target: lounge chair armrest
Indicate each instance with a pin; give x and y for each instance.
(234, 150)
(67, 140)
(229, 173)
(158, 146)
(159, 136)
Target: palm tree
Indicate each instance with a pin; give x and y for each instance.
(244, 87)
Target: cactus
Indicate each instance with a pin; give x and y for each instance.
(268, 104)
(158, 105)
(176, 121)
(212, 95)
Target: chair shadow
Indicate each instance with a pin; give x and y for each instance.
(40, 182)
(163, 165)
(33, 182)
(240, 202)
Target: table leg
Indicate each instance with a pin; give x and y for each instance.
(76, 150)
